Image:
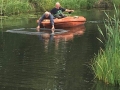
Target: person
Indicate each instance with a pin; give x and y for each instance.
(46, 15)
(57, 12)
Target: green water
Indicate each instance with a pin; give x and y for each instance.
(29, 62)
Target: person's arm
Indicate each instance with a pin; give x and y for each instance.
(52, 21)
(67, 10)
(40, 20)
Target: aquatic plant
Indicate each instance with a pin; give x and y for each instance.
(106, 64)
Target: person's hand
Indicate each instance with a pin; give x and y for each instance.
(38, 28)
(53, 27)
(72, 10)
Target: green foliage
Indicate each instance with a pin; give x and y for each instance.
(9, 7)
(15, 6)
(107, 63)
(116, 2)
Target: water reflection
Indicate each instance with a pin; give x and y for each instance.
(99, 85)
(47, 38)
(78, 30)
(48, 62)
(41, 61)
(32, 62)
(25, 65)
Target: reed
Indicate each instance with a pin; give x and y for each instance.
(116, 2)
(1, 7)
(106, 64)
(10, 7)
(21, 6)
(1, 26)
(42, 5)
(73, 4)
(16, 6)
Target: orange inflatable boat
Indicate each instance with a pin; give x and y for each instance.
(70, 21)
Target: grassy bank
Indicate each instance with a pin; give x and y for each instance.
(107, 63)
(10, 7)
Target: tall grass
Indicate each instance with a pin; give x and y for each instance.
(1, 6)
(16, 6)
(43, 5)
(106, 65)
(78, 4)
(21, 6)
(116, 2)
(72, 4)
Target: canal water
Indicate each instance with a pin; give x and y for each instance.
(32, 61)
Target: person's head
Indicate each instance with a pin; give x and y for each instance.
(57, 5)
(47, 14)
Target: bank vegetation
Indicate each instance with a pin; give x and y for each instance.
(10, 7)
(106, 64)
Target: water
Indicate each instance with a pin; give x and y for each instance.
(50, 62)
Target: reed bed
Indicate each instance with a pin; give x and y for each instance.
(116, 2)
(106, 64)
(15, 6)
(71, 4)
(9, 7)
(78, 4)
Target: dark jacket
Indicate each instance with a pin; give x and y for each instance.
(55, 10)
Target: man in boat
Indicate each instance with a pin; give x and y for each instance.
(46, 15)
(57, 12)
